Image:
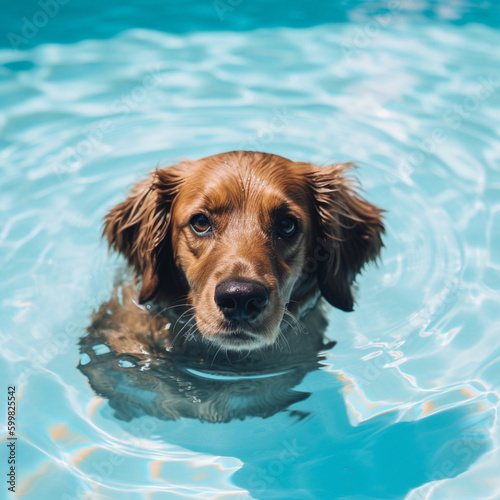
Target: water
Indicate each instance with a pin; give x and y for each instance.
(405, 404)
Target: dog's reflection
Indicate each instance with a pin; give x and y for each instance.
(146, 364)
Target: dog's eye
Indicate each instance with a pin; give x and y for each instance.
(200, 224)
(287, 227)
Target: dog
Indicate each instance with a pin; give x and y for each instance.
(230, 253)
(246, 242)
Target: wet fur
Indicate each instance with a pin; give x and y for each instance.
(243, 191)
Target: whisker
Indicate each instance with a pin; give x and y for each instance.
(215, 355)
(173, 305)
(286, 341)
(289, 324)
(227, 356)
(246, 356)
(179, 333)
(300, 327)
(187, 311)
(165, 310)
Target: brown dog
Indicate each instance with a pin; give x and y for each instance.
(245, 240)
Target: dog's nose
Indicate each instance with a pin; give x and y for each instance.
(238, 299)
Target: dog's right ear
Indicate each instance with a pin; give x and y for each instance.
(138, 228)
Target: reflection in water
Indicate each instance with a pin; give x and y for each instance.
(128, 357)
(142, 363)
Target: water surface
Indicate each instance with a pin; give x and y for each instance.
(405, 404)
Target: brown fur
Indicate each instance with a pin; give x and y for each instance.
(244, 193)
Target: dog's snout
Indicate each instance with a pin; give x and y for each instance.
(238, 299)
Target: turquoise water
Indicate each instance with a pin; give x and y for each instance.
(405, 404)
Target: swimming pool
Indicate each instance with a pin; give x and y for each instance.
(405, 404)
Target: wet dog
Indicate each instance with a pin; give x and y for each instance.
(227, 254)
(247, 242)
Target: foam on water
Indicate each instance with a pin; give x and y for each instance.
(406, 403)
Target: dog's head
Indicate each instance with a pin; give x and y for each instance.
(244, 236)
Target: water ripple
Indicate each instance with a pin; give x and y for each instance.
(408, 396)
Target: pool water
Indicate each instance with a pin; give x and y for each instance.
(405, 404)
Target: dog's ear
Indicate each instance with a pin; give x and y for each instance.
(349, 229)
(138, 228)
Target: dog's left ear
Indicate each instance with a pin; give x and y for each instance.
(348, 227)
